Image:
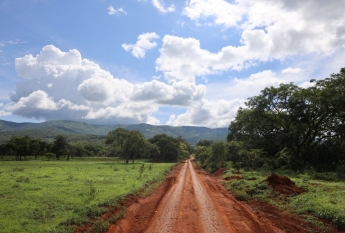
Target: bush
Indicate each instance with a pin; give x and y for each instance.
(240, 195)
(341, 171)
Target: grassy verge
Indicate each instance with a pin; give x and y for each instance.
(323, 197)
(50, 196)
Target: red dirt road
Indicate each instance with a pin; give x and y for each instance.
(190, 201)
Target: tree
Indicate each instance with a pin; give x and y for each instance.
(60, 146)
(290, 119)
(130, 144)
(204, 142)
(168, 147)
(20, 145)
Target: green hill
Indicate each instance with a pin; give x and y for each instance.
(74, 129)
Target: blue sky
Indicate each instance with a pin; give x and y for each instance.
(160, 62)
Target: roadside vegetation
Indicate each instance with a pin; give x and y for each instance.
(57, 196)
(292, 131)
(57, 186)
(322, 195)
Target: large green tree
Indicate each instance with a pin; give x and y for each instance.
(129, 144)
(168, 147)
(20, 145)
(299, 119)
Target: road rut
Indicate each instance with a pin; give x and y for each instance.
(193, 202)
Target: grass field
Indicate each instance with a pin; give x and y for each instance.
(49, 196)
(323, 197)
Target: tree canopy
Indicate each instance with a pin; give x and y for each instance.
(298, 121)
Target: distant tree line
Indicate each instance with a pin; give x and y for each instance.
(131, 145)
(126, 144)
(286, 127)
(25, 146)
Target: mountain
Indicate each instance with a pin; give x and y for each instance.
(49, 129)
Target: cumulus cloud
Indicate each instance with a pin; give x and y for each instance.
(113, 11)
(159, 4)
(3, 112)
(63, 85)
(287, 27)
(221, 11)
(208, 113)
(143, 44)
(183, 58)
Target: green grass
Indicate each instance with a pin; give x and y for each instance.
(323, 197)
(43, 196)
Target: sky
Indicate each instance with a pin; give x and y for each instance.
(160, 62)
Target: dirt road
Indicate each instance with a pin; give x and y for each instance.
(191, 202)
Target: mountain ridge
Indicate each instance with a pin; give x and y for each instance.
(50, 129)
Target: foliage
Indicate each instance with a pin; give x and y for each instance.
(60, 146)
(129, 144)
(170, 149)
(321, 199)
(212, 157)
(301, 125)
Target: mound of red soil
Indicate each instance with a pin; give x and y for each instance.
(220, 172)
(283, 185)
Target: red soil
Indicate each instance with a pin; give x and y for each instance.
(283, 185)
(192, 201)
(234, 178)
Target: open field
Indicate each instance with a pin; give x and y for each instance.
(322, 195)
(49, 196)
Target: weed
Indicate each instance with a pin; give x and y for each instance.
(70, 178)
(16, 185)
(117, 216)
(23, 179)
(314, 220)
(99, 226)
(240, 195)
(141, 170)
(18, 169)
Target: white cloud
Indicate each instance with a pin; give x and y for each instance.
(286, 27)
(292, 70)
(63, 85)
(209, 113)
(143, 44)
(221, 11)
(160, 6)
(306, 84)
(113, 11)
(12, 42)
(4, 113)
(183, 58)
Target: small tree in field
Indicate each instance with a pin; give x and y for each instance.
(60, 146)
